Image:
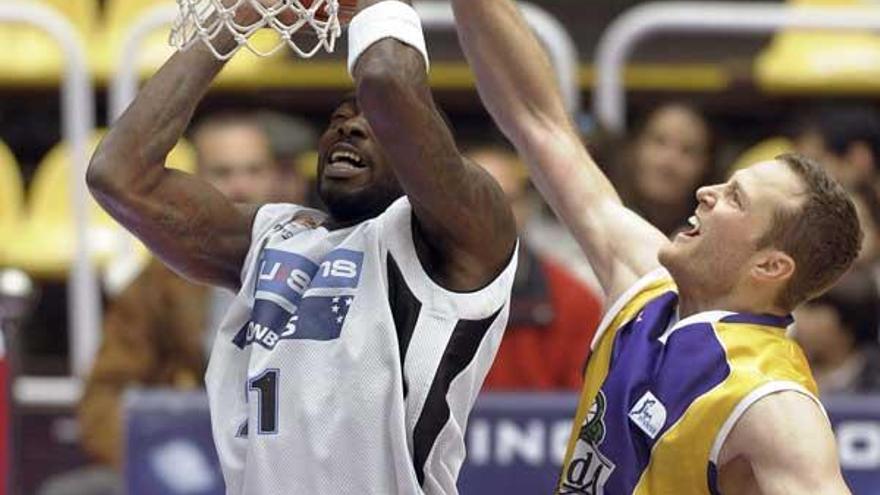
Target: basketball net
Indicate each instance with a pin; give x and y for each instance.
(206, 20)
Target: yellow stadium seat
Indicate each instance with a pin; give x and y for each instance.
(11, 198)
(825, 61)
(30, 56)
(828, 3)
(121, 15)
(45, 243)
(765, 150)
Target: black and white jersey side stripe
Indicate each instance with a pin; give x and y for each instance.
(464, 341)
(405, 309)
(460, 351)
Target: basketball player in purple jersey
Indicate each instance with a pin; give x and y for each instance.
(692, 386)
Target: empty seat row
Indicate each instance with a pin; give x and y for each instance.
(37, 232)
(794, 61)
(30, 57)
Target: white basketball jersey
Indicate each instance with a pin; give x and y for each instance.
(341, 367)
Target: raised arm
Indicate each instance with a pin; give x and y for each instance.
(187, 223)
(461, 212)
(516, 83)
(788, 445)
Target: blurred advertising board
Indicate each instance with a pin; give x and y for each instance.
(515, 443)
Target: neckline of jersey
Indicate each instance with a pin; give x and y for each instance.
(780, 323)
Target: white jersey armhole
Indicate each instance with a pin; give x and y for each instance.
(747, 401)
(626, 297)
(397, 237)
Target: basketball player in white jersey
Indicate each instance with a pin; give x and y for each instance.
(359, 338)
(774, 235)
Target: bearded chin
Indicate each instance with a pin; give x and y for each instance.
(356, 207)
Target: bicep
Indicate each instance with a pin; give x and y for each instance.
(187, 223)
(621, 246)
(788, 456)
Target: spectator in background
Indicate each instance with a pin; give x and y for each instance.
(658, 171)
(552, 314)
(838, 332)
(292, 139)
(159, 331)
(846, 138)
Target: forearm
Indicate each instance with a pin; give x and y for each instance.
(517, 85)
(137, 144)
(514, 76)
(395, 97)
(457, 204)
(392, 89)
(515, 81)
(393, 93)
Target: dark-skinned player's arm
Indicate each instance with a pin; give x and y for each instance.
(516, 83)
(187, 223)
(461, 213)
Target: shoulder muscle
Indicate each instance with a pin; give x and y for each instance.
(788, 443)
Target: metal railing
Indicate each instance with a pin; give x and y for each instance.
(434, 14)
(620, 38)
(77, 109)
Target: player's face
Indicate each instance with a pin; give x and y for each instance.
(354, 178)
(718, 252)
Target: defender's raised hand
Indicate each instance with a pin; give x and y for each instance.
(515, 81)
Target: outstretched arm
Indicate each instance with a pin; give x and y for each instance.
(190, 225)
(516, 83)
(789, 446)
(461, 213)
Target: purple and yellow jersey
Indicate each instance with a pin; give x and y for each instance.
(661, 395)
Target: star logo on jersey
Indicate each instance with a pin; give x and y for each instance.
(317, 318)
(325, 313)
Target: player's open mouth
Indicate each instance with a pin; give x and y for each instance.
(694, 231)
(344, 162)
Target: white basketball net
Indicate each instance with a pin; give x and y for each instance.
(206, 20)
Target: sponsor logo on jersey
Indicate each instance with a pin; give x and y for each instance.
(302, 220)
(589, 470)
(295, 298)
(649, 414)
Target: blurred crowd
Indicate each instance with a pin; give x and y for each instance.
(158, 331)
